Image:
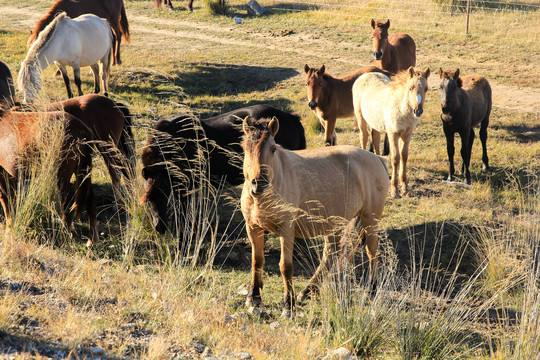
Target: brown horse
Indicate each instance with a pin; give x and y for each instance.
(330, 98)
(110, 123)
(392, 53)
(19, 133)
(307, 193)
(111, 10)
(465, 103)
(168, 4)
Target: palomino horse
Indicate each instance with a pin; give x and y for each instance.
(292, 194)
(168, 4)
(330, 98)
(7, 91)
(392, 53)
(19, 133)
(392, 107)
(111, 10)
(79, 42)
(171, 161)
(465, 103)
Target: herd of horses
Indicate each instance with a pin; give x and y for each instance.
(337, 192)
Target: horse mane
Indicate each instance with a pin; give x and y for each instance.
(44, 36)
(401, 78)
(42, 23)
(253, 141)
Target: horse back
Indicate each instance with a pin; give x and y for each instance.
(478, 92)
(404, 51)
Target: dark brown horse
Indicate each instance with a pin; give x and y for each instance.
(330, 98)
(392, 53)
(168, 4)
(111, 10)
(7, 91)
(110, 123)
(465, 103)
(19, 133)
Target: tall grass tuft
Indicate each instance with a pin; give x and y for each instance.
(217, 7)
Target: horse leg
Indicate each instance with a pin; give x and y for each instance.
(376, 141)
(404, 155)
(67, 168)
(449, 134)
(105, 68)
(77, 76)
(330, 251)
(364, 132)
(256, 236)
(330, 137)
(286, 268)
(65, 76)
(465, 153)
(483, 139)
(190, 6)
(394, 155)
(369, 227)
(7, 191)
(116, 45)
(95, 71)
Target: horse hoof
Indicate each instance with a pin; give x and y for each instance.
(251, 302)
(485, 167)
(288, 314)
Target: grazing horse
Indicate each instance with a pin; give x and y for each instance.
(168, 4)
(110, 123)
(7, 91)
(392, 107)
(111, 10)
(392, 53)
(19, 132)
(305, 194)
(465, 103)
(330, 98)
(170, 155)
(83, 41)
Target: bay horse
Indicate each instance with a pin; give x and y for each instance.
(330, 98)
(111, 10)
(392, 53)
(7, 91)
(392, 107)
(465, 103)
(83, 41)
(305, 194)
(110, 123)
(168, 4)
(19, 132)
(170, 157)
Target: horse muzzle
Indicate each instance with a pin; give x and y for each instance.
(258, 186)
(418, 112)
(312, 105)
(377, 55)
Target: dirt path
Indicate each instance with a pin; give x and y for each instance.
(161, 30)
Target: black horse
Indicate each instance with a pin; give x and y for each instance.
(7, 91)
(465, 103)
(179, 150)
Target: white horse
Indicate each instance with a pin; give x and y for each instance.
(391, 107)
(84, 41)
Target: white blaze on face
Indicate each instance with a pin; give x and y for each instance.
(418, 96)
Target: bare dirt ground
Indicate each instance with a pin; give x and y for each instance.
(152, 31)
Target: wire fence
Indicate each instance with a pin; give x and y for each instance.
(475, 18)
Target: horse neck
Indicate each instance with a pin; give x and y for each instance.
(282, 166)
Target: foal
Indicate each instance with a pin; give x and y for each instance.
(292, 194)
(465, 103)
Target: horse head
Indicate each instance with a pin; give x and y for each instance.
(380, 37)
(417, 89)
(259, 153)
(448, 88)
(315, 84)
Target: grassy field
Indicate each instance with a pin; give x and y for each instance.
(460, 271)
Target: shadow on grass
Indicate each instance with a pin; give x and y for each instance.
(524, 134)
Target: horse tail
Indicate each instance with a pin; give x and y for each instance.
(126, 144)
(124, 25)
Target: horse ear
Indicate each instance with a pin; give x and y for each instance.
(386, 24)
(440, 72)
(273, 126)
(373, 24)
(247, 124)
(306, 68)
(321, 70)
(411, 71)
(456, 74)
(427, 72)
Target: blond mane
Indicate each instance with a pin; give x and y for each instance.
(44, 37)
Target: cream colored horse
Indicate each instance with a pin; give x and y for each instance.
(305, 194)
(391, 107)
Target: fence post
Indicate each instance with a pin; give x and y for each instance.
(468, 11)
